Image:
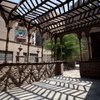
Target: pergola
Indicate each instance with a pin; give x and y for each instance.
(56, 17)
(53, 17)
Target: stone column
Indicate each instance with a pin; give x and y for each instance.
(7, 41)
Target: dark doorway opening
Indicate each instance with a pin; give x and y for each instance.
(95, 44)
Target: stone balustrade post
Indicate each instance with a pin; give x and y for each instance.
(59, 68)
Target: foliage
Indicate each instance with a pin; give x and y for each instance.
(70, 47)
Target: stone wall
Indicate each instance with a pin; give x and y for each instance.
(18, 74)
(90, 69)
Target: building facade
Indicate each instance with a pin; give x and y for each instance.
(18, 39)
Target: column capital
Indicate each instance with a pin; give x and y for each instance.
(29, 35)
(79, 35)
(87, 32)
(8, 27)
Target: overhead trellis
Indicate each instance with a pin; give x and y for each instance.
(55, 16)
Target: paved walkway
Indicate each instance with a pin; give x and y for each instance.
(72, 73)
(67, 87)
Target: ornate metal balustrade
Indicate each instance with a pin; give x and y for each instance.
(17, 74)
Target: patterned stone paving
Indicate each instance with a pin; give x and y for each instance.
(67, 87)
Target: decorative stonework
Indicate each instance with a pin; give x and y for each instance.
(90, 69)
(12, 75)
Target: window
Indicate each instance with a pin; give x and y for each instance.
(9, 56)
(33, 57)
(20, 35)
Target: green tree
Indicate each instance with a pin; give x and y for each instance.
(70, 47)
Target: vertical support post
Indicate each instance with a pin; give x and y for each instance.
(55, 48)
(89, 48)
(42, 50)
(87, 31)
(7, 41)
(61, 47)
(41, 45)
(29, 36)
(51, 46)
(59, 68)
(41, 31)
(37, 58)
(79, 37)
(80, 49)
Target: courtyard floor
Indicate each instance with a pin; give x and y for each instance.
(67, 87)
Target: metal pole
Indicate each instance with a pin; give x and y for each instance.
(79, 37)
(55, 51)
(7, 41)
(87, 36)
(61, 47)
(42, 51)
(51, 47)
(29, 36)
(80, 49)
(88, 47)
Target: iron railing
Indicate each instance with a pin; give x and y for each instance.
(18, 74)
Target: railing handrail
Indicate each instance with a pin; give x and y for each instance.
(29, 63)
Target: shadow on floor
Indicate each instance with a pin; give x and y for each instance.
(57, 88)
